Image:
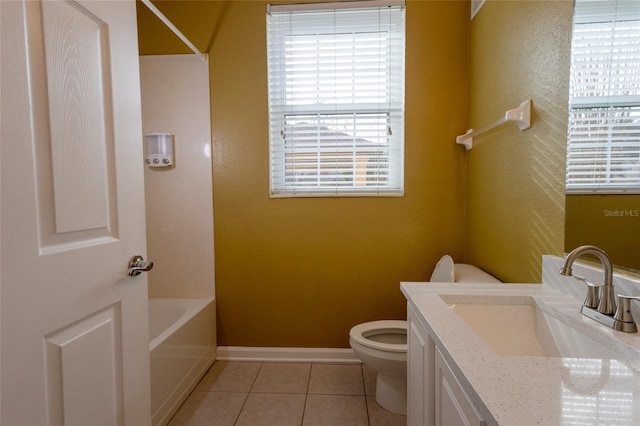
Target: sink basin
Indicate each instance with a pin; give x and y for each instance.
(521, 328)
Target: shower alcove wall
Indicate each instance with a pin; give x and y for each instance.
(179, 210)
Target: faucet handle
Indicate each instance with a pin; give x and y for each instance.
(586, 281)
(623, 313)
(593, 296)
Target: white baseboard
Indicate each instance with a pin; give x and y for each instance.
(328, 355)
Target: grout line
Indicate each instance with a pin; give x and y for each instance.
(305, 412)
(364, 388)
(306, 395)
(255, 379)
(241, 408)
(247, 395)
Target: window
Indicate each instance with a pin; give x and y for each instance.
(603, 152)
(336, 98)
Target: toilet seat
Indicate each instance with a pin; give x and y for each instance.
(361, 332)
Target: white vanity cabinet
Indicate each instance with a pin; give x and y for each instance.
(434, 395)
(452, 406)
(420, 365)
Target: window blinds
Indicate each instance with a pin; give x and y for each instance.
(603, 152)
(336, 99)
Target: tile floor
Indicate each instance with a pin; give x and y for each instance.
(282, 394)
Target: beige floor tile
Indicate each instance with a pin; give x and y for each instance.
(226, 376)
(209, 408)
(336, 379)
(266, 409)
(378, 416)
(282, 378)
(334, 410)
(370, 377)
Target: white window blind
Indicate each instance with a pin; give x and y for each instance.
(603, 151)
(336, 98)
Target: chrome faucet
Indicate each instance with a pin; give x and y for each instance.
(602, 307)
(607, 302)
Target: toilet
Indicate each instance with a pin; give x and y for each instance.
(382, 345)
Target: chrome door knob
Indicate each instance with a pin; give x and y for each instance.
(138, 265)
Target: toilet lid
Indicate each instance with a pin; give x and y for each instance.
(360, 332)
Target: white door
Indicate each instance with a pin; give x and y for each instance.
(74, 325)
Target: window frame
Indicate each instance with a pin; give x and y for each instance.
(603, 138)
(342, 118)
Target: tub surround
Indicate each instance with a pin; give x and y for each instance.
(178, 199)
(179, 211)
(182, 347)
(517, 390)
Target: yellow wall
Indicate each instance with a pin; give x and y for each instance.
(515, 180)
(611, 222)
(301, 272)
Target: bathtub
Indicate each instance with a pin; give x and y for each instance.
(182, 346)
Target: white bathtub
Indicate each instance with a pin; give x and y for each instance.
(182, 346)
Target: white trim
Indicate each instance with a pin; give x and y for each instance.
(328, 355)
(333, 5)
(336, 194)
(602, 190)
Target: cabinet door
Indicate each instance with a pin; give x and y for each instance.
(420, 373)
(452, 406)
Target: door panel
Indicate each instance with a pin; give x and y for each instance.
(78, 78)
(74, 326)
(73, 382)
(71, 73)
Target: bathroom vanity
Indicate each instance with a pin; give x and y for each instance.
(515, 354)
(431, 382)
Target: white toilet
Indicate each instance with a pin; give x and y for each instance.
(382, 345)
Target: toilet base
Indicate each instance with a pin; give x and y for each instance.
(391, 393)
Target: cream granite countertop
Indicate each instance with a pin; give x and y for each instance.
(521, 390)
